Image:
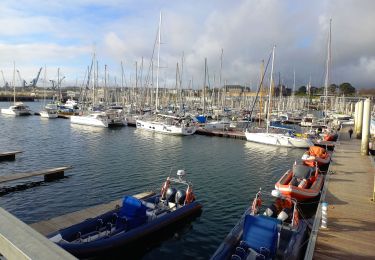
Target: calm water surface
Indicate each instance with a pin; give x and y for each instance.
(109, 163)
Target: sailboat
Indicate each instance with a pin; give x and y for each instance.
(287, 139)
(49, 110)
(18, 108)
(166, 124)
(109, 118)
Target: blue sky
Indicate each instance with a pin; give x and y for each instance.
(64, 34)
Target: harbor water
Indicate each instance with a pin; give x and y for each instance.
(110, 163)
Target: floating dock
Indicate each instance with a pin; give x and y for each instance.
(220, 133)
(351, 213)
(52, 225)
(9, 156)
(49, 174)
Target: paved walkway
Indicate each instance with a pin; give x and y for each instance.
(351, 213)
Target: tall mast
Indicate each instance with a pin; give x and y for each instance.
(221, 69)
(270, 89)
(294, 88)
(14, 82)
(261, 91)
(204, 86)
(158, 67)
(44, 85)
(326, 82)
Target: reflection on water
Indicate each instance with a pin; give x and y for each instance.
(109, 163)
(268, 149)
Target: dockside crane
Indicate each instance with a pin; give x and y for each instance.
(6, 84)
(34, 81)
(22, 81)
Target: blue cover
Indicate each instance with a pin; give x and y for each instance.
(132, 208)
(132, 213)
(201, 119)
(260, 231)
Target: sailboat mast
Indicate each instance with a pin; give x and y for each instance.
(204, 86)
(261, 91)
(326, 82)
(158, 67)
(44, 85)
(221, 69)
(270, 89)
(14, 82)
(294, 89)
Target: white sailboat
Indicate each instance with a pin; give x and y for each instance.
(18, 108)
(165, 124)
(49, 110)
(277, 139)
(111, 117)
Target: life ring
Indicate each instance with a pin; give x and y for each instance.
(165, 187)
(189, 195)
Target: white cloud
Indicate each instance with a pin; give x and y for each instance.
(64, 32)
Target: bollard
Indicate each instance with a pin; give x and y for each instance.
(360, 119)
(366, 122)
(324, 214)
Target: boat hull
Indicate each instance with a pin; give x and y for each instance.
(124, 239)
(299, 193)
(48, 114)
(291, 247)
(311, 160)
(13, 112)
(165, 129)
(84, 120)
(278, 140)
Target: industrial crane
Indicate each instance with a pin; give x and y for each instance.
(6, 84)
(56, 84)
(23, 82)
(34, 81)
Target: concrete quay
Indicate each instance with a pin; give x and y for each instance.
(351, 212)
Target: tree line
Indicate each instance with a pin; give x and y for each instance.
(343, 89)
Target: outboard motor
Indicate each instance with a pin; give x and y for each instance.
(180, 197)
(170, 195)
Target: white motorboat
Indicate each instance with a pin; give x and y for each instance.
(49, 111)
(99, 119)
(168, 125)
(18, 109)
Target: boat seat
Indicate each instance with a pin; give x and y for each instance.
(301, 171)
(236, 257)
(240, 252)
(244, 245)
(261, 232)
(253, 255)
(99, 224)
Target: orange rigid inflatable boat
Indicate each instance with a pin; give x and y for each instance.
(301, 183)
(316, 154)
